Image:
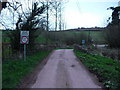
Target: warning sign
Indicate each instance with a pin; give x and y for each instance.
(24, 37)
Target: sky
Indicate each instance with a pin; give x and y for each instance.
(88, 13)
(80, 13)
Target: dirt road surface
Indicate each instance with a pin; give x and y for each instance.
(63, 70)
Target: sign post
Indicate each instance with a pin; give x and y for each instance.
(24, 52)
(24, 39)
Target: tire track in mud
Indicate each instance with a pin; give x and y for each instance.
(63, 70)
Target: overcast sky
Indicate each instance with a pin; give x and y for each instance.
(82, 13)
(88, 13)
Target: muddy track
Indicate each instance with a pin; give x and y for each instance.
(61, 70)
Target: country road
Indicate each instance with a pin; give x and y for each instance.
(63, 70)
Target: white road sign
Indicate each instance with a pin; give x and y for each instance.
(24, 37)
(25, 33)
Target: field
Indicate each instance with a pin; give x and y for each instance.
(97, 36)
(60, 37)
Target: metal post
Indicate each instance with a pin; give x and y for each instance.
(24, 52)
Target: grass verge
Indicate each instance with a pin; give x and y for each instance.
(106, 69)
(14, 70)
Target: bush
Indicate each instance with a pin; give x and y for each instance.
(107, 70)
(112, 35)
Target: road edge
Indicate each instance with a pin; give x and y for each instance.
(30, 79)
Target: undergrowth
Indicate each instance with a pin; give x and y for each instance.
(106, 69)
(14, 70)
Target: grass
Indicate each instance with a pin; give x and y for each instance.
(107, 70)
(14, 70)
(42, 39)
(39, 39)
(97, 36)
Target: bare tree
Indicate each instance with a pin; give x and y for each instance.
(60, 17)
(30, 20)
(58, 7)
(55, 8)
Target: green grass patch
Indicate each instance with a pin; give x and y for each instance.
(107, 70)
(14, 70)
(42, 39)
(97, 36)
